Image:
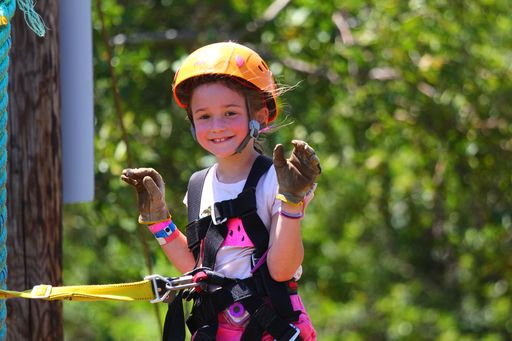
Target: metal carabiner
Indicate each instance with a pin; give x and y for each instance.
(171, 285)
(157, 289)
(182, 282)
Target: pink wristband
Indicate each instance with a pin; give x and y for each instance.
(164, 232)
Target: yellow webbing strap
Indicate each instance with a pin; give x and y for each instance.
(135, 291)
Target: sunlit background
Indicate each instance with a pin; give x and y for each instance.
(408, 106)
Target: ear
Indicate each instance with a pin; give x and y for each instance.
(262, 116)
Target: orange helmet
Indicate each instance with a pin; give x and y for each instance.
(230, 59)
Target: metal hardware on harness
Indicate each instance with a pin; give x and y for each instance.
(171, 285)
(295, 335)
(214, 216)
(183, 282)
(41, 291)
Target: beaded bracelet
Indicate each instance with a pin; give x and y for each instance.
(164, 232)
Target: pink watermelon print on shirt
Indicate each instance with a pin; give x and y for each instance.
(236, 234)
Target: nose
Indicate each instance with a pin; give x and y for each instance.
(218, 124)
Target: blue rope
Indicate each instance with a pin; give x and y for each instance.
(34, 21)
(7, 8)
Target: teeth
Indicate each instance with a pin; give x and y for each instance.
(219, 140)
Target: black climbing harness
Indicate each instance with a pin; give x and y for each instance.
(266, 300)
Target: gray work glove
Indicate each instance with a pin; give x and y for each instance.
(296, 176)
(150, 194)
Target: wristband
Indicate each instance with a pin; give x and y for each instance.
(164, 232)
(291, 215)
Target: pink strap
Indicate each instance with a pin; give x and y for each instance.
(159, 226)
(260, 262)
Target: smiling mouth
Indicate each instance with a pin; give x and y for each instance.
(220, 140)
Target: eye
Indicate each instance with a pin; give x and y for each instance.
(202, 117)
(231, 113)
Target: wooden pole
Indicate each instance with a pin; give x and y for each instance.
(34, 177)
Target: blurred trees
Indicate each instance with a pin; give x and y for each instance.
(408, 105)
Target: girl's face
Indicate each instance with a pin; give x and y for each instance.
(220, 118)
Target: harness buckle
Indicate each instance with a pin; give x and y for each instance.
(213, 213)
(295, 334)
(254, 259)
(41, 291)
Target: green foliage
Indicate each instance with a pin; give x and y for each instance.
(407, 103)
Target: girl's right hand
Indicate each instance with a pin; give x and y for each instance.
(150, 189)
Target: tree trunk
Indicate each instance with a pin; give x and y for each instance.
(34, 177)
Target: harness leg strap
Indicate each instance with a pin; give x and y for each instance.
(174, 326)
(206, 333)
(264, 318)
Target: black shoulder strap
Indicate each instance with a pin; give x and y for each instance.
(257, 232)
(194, 192)
(196, 183)
(261, 166)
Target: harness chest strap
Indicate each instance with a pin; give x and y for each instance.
(244, 206)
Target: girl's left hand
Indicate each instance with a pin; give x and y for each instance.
(296, 176)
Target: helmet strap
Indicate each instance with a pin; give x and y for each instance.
(254, 128)
(254, 131)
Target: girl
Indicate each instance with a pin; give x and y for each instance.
(244, 212)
